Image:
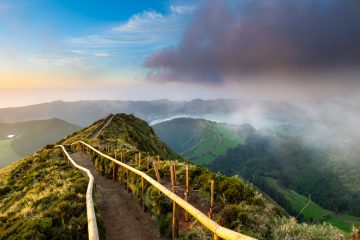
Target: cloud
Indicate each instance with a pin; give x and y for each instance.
(182, 9)
(230, 39)
(56, 60)
(90, 53)
(146, 28)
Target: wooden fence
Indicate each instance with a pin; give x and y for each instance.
(214, 227)
(90, 210)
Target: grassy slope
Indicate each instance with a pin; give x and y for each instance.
(42, 197)
(30, 136)
(314, 212)
(7, 154)
(198, 140)
(36, 134)
(207, 133)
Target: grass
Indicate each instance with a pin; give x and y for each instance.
(314, 212)
(7, 154)
(42, 197)
(344, 221)
(200, 153)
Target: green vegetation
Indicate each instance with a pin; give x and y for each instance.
(238, 205)
(7, 154)
(270, 162)
(42, 197)
(330, 176)
(199, 140)
(30, 136)
(313, 212)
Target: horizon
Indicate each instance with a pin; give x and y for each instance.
(177, 50)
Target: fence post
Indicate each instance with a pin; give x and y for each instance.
(157, 172)
(175, 213)
(211, 199)
(142, 193)
(147, 163)
(186, 215)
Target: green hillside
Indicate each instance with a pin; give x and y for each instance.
(199, 140)
(27, 137)
(7, 153)
(42, 197)
(279, 155)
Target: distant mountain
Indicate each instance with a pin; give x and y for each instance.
(24, 138)
(277, 160)
(225, 110)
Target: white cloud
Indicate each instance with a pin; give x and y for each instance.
(58, 61)
(138, 23)
(183, 9)
(146, 28)
(90, 53)
(101, 54)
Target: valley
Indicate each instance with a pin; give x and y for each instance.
(277, 161)
(7, 153)
(29, 136)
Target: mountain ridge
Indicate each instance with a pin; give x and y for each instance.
(238, 205)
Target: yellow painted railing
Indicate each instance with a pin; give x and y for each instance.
(90, 210)
(214, 227)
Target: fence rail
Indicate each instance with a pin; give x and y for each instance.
(214, 227)
(90, 210)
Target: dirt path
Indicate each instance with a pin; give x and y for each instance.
(122, 215)
(106, 124)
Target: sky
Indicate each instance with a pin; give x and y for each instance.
(141, 50)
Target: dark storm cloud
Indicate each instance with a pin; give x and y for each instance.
(246, 38)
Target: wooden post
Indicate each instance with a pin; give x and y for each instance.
(121, 156)
(175, 213)
(136, 156)
(174, 166)
(216, 237)
(142, 193)
(158, 158)
(186, 215)
(147, 163)
(187, 179)
(211, 199)
(115, 154)
(139, 160)
(157, 172)
(172, 177)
